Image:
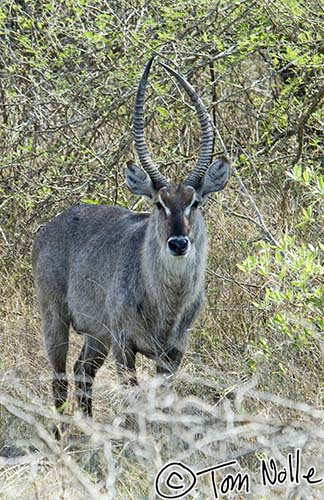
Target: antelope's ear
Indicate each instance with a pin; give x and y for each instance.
(139, 182)
(215, 178)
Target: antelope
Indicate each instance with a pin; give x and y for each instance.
(129, 282)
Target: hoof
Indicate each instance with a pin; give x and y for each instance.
(58, 430)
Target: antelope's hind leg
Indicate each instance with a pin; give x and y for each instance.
(92, 357)
(56, 336)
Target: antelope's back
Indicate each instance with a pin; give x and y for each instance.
(76, 252)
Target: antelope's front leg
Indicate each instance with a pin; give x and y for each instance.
(124, 352)
(168, 361)
(92, 356)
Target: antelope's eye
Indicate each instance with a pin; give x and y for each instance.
(195, 204)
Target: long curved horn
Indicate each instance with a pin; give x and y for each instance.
(138, 125)
(207, 136)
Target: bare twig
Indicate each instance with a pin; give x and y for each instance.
(248, 195)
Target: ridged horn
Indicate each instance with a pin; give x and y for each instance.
(207, 136)
(138, 126)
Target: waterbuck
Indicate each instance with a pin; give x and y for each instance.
(133, 282)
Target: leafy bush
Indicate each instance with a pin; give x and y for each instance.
(293, 270)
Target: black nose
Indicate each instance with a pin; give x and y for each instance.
(178, 245)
